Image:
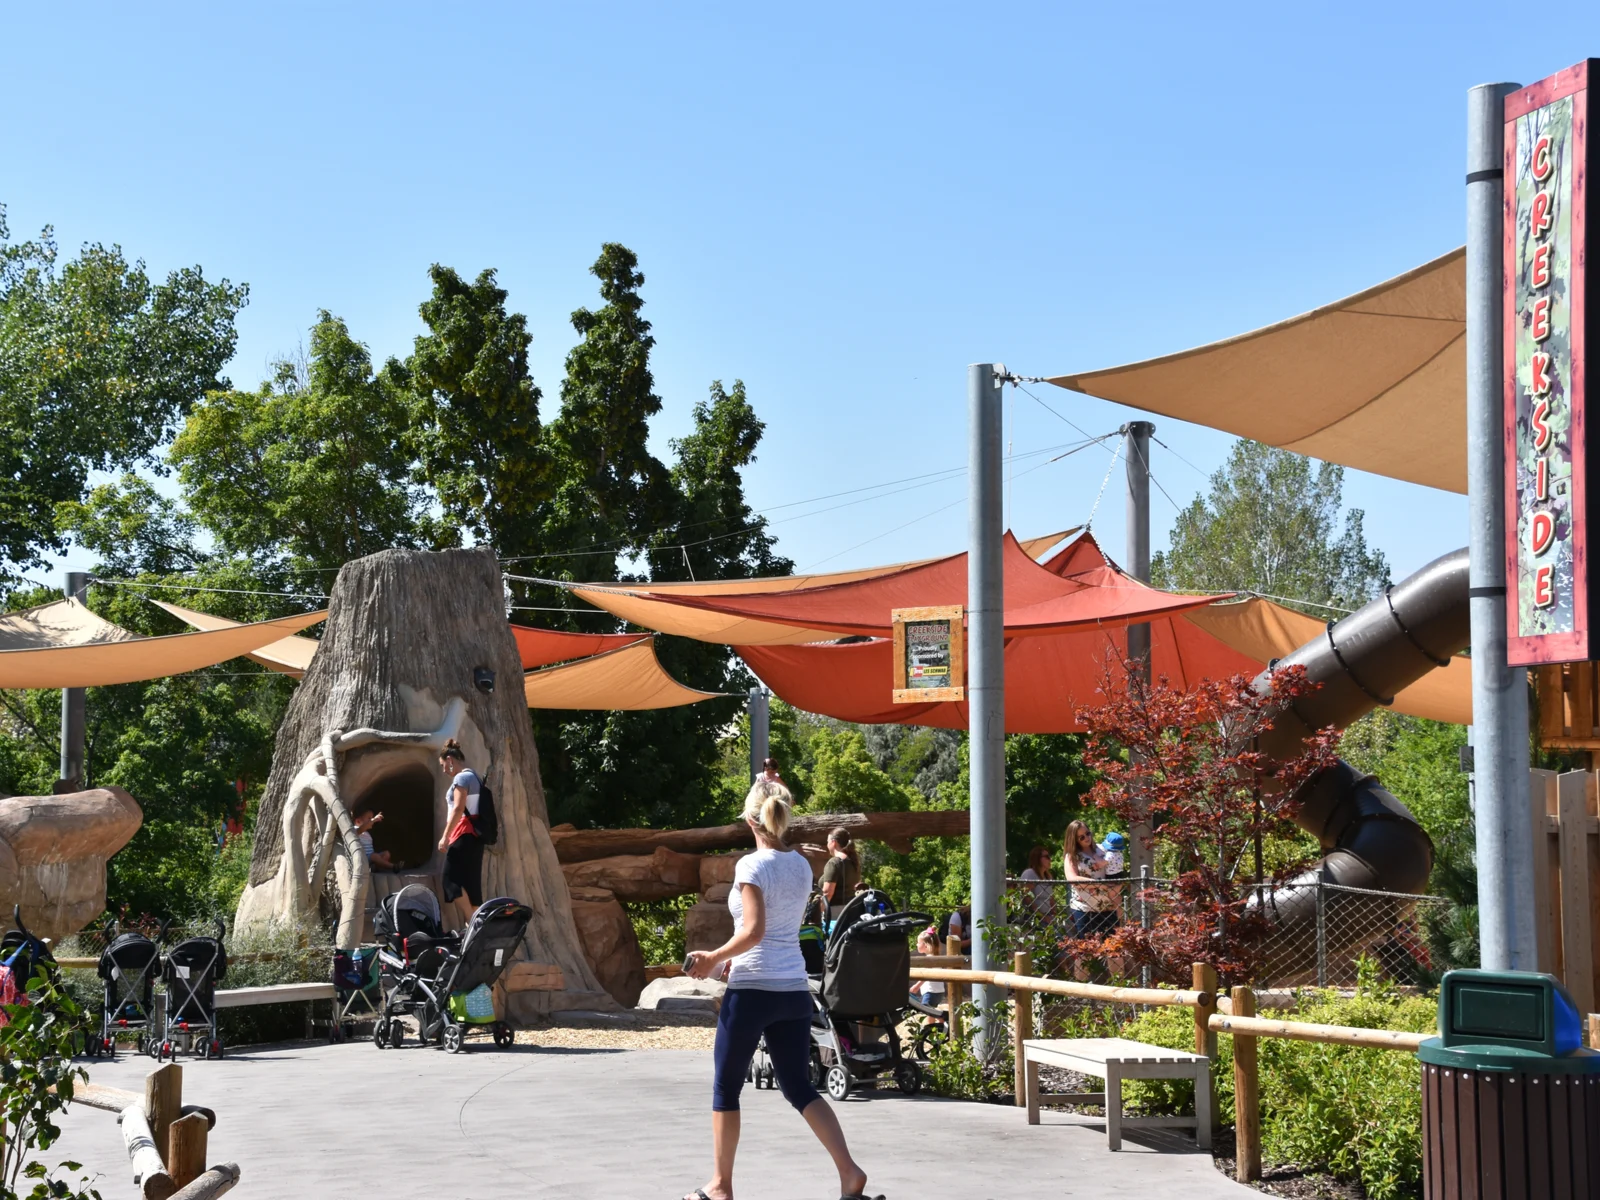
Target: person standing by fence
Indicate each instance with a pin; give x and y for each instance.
(842, 872)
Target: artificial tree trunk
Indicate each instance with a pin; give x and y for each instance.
(394, 677)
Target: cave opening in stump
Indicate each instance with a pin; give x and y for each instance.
(402, 787)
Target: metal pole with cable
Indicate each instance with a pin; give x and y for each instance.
(986, 701)
(1499, 694)
(1136, 441)
(73, 716)
(760, 729)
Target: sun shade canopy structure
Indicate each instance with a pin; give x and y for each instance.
(657, 605)
(1376, 381)
(290, 655)
(1038, 601)
(628, 680)
(65, 649)
(544, 647)
(1050, 677)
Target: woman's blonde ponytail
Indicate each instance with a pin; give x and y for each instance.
(768, 806)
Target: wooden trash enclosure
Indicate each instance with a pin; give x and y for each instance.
(1566, 870)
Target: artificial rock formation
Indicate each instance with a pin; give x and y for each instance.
(401, 668)
(53, 852)
(609, 943)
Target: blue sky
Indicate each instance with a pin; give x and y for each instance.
(841, 205)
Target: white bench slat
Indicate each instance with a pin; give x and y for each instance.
(278, 993)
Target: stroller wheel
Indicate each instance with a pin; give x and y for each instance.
(380, 1034)
(908, 1077)
(216, 1047)
(503, 1036)
(838, 1083)
(454, 1039)
(929, 1042)
(204, 1051)
(397, 1034)
(93, 1048)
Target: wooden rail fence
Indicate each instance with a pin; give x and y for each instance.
(1240, 1021)
(165, 1138)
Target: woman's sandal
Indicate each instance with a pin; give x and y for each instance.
(860, 1196)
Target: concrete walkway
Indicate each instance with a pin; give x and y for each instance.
(314, 1120)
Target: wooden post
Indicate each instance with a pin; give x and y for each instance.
(952, 992)
(186, 1149)
(1594, 1031)
(1246, 1093)
(1577, 945)
(1021, 1022)
(212, 1184)
(163, 1100)
(1205, 1041)
(149, 1172)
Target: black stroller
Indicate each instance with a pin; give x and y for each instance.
(128, 968)
(859, 1001)
(440, 979)
(189, 975)
(357, 990)
(412, 950)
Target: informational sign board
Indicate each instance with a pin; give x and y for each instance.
(929, 665)
(1550, 598)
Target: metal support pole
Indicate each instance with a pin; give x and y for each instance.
(760, 729)
(1499, 694)
(72, 707)
(1144, 916)
(1136, 447)
(1322, 935)
(986, 673)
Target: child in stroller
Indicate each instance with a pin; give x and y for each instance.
(858, 1001)
(189, 976)
(127, 969)
(443, 980)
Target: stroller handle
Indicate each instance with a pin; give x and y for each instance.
(222, 928)
(16, 917)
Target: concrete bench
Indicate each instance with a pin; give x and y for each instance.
(1114, 1060)
(278, 993)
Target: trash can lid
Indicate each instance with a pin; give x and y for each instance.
(1508, 1059)
(1520, 1009)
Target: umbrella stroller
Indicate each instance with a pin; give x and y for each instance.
(357, 990)
(189, 976)
(22, 958)
(858, 1002)
(128, 968)
(412, 950)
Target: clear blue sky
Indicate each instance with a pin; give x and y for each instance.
(841, 205)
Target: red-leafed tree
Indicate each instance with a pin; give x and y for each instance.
(1186, 763)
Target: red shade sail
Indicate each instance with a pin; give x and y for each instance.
(542, 647)
(1039, 600)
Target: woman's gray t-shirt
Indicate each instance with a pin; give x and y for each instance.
(774, 964)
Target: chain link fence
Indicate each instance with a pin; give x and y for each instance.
(1321, 934)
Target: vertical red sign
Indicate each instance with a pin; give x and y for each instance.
(1550, 603)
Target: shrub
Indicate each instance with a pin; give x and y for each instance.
(1351, 1112)
(37, 1042)
(659, 928)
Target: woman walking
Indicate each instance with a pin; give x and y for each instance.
(463, 848)
(767, 995)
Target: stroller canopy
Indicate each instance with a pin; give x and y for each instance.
(413, 909)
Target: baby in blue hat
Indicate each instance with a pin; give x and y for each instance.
(1115, 849)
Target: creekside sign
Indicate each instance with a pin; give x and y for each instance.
(1550, 598)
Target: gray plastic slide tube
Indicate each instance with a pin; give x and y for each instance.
(1369, 839)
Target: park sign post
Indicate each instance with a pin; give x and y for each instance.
(1550, 599)
(929, 665)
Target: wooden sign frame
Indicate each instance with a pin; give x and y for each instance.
(953, 617)
(1551, 601)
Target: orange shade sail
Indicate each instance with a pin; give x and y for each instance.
(628, 680)
(289, 656)
(104, 663)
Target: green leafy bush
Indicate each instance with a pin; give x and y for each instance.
(1351, 1112)
(659, 928)
(36, 1082)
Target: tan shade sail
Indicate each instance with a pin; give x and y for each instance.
(101, 664)
(1376, 381)
(63, 623)
(1263, 631)
(628, 679)
(290, 655)
(634, 605)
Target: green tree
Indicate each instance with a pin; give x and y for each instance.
(97, 366)
(1272, 524)
(310, 470)
(475, 422)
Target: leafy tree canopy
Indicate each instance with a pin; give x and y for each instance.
(98, 364)
(1274, 523)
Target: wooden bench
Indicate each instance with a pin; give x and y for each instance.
(1114, 1060)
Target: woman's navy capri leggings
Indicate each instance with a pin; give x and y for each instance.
(785, 1019)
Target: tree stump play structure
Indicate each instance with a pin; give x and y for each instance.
(53, 852)
(402, 667)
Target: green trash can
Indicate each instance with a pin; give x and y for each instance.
(1510, 1097)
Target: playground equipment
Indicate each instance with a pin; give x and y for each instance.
(1368, 837)
(409, 657)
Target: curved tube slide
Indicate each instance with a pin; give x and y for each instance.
(1369, 839)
